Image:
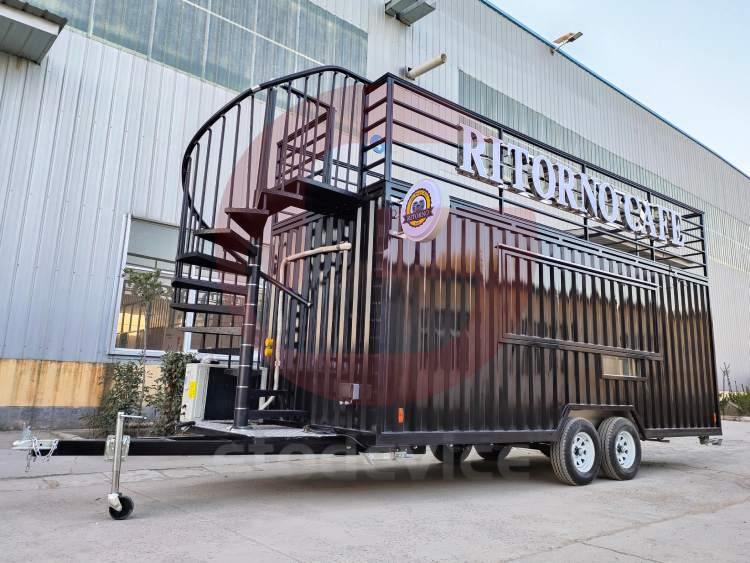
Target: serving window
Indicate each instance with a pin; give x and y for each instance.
(573, 300)
(615, 367)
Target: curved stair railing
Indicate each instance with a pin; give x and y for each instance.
(287, 145)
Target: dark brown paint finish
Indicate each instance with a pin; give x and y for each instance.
(514, 315)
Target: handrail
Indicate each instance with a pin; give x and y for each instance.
(329, 96)
(222, 111)
(254, 90)
(399, 81)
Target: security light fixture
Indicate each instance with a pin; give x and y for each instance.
(564, 40)
(409, 11)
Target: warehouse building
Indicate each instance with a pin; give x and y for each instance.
(98, 99)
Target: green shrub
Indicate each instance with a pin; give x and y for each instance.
(166, 394)
(742, 400)
(121, 393)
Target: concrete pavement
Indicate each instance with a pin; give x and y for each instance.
(689, 503)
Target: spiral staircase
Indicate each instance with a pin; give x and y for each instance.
(285, 147)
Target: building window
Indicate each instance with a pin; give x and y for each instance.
(150, 247)
(233, 43)
(616, 367)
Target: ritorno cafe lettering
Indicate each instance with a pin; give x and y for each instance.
(549, 180)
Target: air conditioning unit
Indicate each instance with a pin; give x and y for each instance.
(409, 11)
(209, 390)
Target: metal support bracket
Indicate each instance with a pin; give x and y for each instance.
(33, 447)
(118, 454)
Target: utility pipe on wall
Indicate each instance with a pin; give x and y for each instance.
(413, 72)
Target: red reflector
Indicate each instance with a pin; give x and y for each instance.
(400, 415)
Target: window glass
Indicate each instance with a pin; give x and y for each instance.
(125, 23)
(271, 61)
(230, 55)
(317, 29)
(619, 367)
(151, 247)
(180, 36)
(200, 36)
(239, 11)
(76, 11)
(277, 20)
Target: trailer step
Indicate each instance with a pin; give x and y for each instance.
(252, 221)
(227, 239)
(278, 199)
(276, 414)
(204, 285)
(213, 262)
(235, 310)
(260, 393)
(220, 330)
(220, 351)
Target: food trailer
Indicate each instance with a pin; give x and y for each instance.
(366, 266)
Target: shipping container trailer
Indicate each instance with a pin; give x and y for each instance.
(367, 266)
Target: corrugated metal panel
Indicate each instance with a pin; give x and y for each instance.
(493, 326)
(92, 134)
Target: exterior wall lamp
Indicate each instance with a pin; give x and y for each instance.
(564, 40)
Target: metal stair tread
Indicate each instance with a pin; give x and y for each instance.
(205, 285)
(220, 330)
(227, 239)
(235, 310)
(212, 262)
(251, 220)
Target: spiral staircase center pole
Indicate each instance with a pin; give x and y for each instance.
(247, 346)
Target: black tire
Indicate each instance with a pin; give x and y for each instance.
(127, 509)
(621, 456)
(451, 454)
(491, 452)
(573, 461)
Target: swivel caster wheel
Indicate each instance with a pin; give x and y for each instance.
(126, 508)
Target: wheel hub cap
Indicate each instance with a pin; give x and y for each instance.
(583, 452)
(625, 449)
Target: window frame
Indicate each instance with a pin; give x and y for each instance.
(622, 377)
(114, 350)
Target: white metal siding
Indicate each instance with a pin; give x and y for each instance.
(92, 134)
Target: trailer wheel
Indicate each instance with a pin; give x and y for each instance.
(127, 508)
(576, 456)
(452, 454)
(491, 452)
(621, 447)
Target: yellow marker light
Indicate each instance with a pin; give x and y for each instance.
(269, 342)
(268, 352)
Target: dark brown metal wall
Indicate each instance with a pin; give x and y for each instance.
(498, 324)
(325, 348)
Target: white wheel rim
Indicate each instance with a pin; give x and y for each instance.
(583, 452)
(625, 449)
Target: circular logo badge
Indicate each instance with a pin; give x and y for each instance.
(424, 211)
